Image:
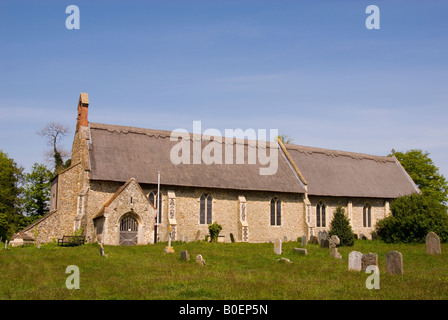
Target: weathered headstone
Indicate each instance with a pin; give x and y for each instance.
(232, 239)
(185, 255)
(334, 242)
(323, 239)
(368, 259)
(314, 240)
(199, 260)
(198, 234)
(301, 251)
(285, 239)
(354, 261)
(284, 260)
(304, 241)
(394, 262)
(278, 246)
(186, 239)
(433, 243)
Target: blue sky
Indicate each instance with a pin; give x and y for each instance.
(310, 69)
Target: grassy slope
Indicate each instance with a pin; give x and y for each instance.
(233, 271)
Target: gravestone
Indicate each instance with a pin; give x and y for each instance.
(394, 262)
(278, 246)
(323, 239)
(314, 240)
(354, 261)
(334, 242)
(285, 239)
(433, 243)
(185, 255)
(186, 239)
(198, 234)
(199, 260)
(301, 251)
(368, 259)
(304, 241)
(232, 239)
(284, 260)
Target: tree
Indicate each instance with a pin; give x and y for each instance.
(54, 132)
(10, 187)
(413, 217)
(214, 230)
(285, 139)
(36, 192)
(340, 226)
(424, 173)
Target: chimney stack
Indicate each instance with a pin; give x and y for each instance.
(83, 108)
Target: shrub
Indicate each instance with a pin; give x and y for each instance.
(340, 226)
(413, 217)
(214, 229)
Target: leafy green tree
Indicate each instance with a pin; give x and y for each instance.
(10, 188)
(340, 226)
(214, 230)
(425, 174)
(413, 217)
(36, 192)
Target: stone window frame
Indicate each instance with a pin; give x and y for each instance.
(321, 215)
(205, 209)
(160, 209)
(276, 216)
(367, 215)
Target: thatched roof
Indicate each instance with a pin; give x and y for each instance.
(339, 173)
(118, 153)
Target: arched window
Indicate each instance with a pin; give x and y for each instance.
(367, 215)
(276, 212)
(205, 211)
(321, 214)
(153, 199)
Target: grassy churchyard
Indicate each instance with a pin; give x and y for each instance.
(233, 271)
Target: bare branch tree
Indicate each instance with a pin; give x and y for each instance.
(54, 132)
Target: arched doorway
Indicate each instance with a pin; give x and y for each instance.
(128, 230)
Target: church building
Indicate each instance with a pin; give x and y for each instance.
(124, 188)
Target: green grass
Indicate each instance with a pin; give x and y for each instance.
(233, 271)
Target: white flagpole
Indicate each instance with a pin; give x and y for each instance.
(158, 204)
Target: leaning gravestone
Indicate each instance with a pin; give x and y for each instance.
(369, 259)
(354, 261)
(433, 243)
(394, 262)
(304, 241)
(278, 246)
